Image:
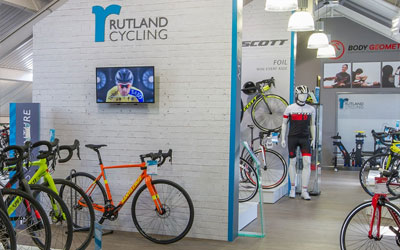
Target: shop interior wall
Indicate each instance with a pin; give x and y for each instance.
(13, 91)
(191, 113)
(266, 53)
(308, 67)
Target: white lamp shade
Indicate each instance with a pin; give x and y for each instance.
(301, 21)
(281, 5)
(318, 40)
(326, 52)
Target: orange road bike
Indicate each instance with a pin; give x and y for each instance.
(162, 211)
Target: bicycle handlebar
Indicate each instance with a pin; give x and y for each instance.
(70, 149)
(380, 136)
(159, 155)
(43, 154)
(16, 159)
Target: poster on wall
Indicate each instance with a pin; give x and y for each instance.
(366, 75)
(337, 75)
(364, 112)
(390, 75)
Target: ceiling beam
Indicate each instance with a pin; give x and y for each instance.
(337, 10)
(23, 4)
(15, 75)
(25, 30)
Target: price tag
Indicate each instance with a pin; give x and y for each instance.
(275, 137)
(269, 142)
(152, 167)
(380, 185)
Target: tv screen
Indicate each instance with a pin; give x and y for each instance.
(125, 84)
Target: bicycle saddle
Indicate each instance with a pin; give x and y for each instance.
(95, 146)
(336, 137)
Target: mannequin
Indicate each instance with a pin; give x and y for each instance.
(301, 118)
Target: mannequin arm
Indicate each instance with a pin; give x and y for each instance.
(283, 132)
(312, 130)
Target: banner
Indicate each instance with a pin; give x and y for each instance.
(364, 112)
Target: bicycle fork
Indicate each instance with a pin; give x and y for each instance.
(377, 201)
(376, 207)
(154, 195)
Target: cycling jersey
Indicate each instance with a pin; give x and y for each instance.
(135, 95)
(300, 118)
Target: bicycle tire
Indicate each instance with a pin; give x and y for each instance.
(27, 233)
(241, 110)
(356, 226)
(98, 196)
(248, 181)
(185, 212)
(7, 234)
(371, 168)
(83, 217)
(268, 119)
(61, 227)
(275, 170)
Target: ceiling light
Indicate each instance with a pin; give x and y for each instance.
(318, 40)
(326, 52)
(281, 5)
(301, 21)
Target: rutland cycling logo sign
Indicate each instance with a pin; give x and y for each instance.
(127, 29)
(345, 103)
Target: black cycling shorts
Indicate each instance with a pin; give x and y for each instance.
(302, 142)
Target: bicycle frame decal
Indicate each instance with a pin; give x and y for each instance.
(250, 103)
(131, 190)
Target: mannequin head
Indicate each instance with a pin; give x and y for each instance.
(301, 94)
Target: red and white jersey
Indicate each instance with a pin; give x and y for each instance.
(299, 118)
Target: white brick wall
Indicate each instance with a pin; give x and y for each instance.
(259, 24)
(191, 113)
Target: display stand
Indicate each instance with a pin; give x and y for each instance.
(260, 194)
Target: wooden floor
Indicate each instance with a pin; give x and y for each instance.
(290, 223)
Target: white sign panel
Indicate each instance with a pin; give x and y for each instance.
(364, 112)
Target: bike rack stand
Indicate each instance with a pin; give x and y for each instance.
(260, 193)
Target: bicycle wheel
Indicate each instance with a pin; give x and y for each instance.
(267, 114)
(176, 220)
(7, 234)
(248, 181)
(97, 193)
(30, 222)
(274, 171)
(82, 212)
(372, 168)
(241, 110)
(58, 214)
(355, 228)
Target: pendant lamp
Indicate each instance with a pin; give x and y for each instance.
(318, 40)
(281, 5)
(301, 21)
(326, 52)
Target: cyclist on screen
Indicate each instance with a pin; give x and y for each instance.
(124, 91)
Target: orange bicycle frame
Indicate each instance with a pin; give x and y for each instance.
(143, 176)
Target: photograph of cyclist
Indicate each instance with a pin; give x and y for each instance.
(390, 74)
(124, 91)
(369, 77)
(340, 80)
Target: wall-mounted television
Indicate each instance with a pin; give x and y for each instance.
(125, 84)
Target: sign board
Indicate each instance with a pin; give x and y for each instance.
(364, 112)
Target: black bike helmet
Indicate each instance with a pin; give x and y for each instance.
(249, 88)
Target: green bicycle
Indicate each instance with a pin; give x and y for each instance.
(82, 217)
(267, 109)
